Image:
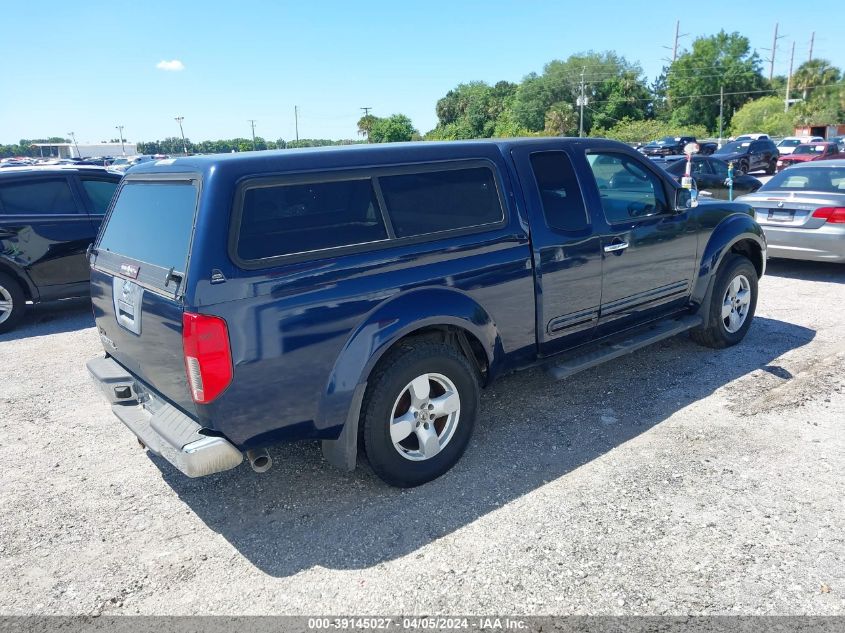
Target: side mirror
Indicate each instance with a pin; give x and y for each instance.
(684, 200)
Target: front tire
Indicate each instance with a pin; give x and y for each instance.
(418, 412)
(732, 304)
(12, 303)
(743, 167)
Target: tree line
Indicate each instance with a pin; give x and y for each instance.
(716, 85)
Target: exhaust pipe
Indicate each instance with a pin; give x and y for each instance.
(259, 459)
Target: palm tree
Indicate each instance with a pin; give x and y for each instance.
(814, 73)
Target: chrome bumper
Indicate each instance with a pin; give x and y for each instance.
(161, 427)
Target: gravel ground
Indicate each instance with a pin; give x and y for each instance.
(679, 480)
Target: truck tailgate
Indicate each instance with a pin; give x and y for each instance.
(137, 279)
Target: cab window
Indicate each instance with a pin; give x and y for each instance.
(628, 190)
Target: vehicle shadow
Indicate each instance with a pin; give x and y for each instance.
(806, 271)
(531, 430)
(53, 317)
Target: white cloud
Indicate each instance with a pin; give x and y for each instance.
(173, 65)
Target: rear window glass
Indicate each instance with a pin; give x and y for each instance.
(287, 219)
(37, 197)
(152, 223)
(100, 192)
(434, 201)
(821, 179)
(560, 194)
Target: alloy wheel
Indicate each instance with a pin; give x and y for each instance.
(736, 303)
(424, 416)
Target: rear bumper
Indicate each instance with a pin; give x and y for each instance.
(824, 244)
(161, 427)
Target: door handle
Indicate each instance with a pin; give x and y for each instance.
(615, 247)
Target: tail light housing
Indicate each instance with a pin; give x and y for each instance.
(831, 215)
(208, 356)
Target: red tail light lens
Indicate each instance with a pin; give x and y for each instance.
(208, 357)
(832, 215)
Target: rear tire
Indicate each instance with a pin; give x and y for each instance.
(12, 303)
(418, 412)
(732, 304)
(773, 164)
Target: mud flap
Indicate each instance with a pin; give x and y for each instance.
(343, 452)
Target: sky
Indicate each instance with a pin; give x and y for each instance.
(89, 66)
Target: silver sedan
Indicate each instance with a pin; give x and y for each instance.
(802, 211)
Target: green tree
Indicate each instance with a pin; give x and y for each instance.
(825, 106)
(393, 129)
(637, 131)
(365, 125)
(471, 110)
(765, 114)
(613, 86)
(814, 73)
(561, 120)
(724, 60)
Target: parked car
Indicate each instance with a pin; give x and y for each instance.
(124, 163)
(48, 218)
(749, 156)
(840, 141)
(674, 145)
(711, 176)
(802, 211)
(810, 152)
(752, 137)
(788, 144)
(370, 291)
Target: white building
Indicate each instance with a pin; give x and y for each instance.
(85, 150)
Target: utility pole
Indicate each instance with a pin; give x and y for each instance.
(789, 79)
(721, 111)
(252, 123)
(812, 39)
(119, 128)
(296, 121)
(675, 45)
(581, 102)
(774, 48)
(73, 136)
(366, 114)
(179, 120)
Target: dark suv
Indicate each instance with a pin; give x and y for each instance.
(362, 296)
(49, 216)
(749, 156)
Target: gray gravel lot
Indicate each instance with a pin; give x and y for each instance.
(677, 480)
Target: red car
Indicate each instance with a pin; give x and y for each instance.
(808, 152)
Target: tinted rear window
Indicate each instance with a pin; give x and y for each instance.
(819, 179)
(152, 223)
(36, 197)
(286, 219)
(434, 201)
(100, 192)
(560, 194)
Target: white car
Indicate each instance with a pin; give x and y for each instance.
(125, 162)
(752, 137)
(788, 144)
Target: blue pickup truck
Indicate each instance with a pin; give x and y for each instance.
(363, 296)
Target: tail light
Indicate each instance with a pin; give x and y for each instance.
(208, 357)
(831, 215)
